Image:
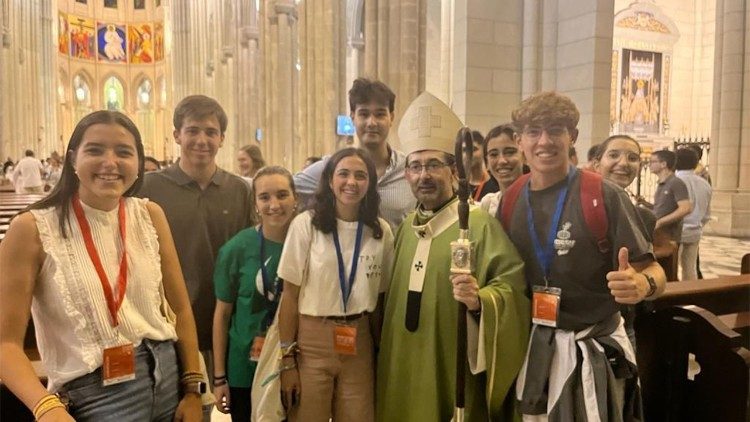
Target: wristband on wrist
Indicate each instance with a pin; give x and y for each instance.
(288, 350)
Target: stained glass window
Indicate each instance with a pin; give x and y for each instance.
(114, 98)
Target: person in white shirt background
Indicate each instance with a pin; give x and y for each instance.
(27, 174)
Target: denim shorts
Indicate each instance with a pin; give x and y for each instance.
(152, 396)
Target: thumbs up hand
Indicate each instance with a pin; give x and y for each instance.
(626, 284)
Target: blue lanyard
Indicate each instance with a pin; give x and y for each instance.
(346, 290)
(546, 255)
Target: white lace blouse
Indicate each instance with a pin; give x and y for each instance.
(70, 312)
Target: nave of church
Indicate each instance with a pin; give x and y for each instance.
(667, 74)
(663, 71)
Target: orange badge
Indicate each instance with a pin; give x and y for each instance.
(256, 348)
(545, 304)
(118, 364)
(345, 340)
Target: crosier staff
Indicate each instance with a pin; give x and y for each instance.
(462, 262)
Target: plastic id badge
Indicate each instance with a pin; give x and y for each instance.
(345, 340)
(257, 347)
(545, 305)
(118, 364)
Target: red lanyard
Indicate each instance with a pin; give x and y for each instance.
(478, 192)
(113, 303)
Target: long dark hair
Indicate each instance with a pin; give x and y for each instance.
(64, 190)
(324, 209)
(602, 148)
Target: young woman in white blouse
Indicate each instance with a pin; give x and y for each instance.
(98, 271)
(335, 265)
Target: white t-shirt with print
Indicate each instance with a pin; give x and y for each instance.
(310, 251)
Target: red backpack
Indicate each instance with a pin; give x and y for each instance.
(592, 203)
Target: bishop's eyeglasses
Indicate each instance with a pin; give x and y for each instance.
(431, 167)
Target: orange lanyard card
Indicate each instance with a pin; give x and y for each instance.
(545, 305)
(345, 340)
(257, 347)
(118, 364)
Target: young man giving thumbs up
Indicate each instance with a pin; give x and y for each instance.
(582, 262)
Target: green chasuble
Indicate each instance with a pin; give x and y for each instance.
(416, 369)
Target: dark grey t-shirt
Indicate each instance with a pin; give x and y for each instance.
(578, 267)
(201, 221)
(668, 193)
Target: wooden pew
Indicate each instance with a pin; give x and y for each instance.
(692, 366)
(12, 203)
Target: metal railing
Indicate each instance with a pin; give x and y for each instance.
(644, 185)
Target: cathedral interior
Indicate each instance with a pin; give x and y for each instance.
(666, 72)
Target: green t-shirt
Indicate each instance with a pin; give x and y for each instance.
(237, 268)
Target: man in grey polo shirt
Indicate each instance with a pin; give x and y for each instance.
(671, 200)
(371, 104)
(205, 205)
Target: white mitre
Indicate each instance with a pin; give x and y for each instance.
(428, 124)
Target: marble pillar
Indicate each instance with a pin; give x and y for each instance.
(730, 135)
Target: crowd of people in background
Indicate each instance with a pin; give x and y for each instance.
(23, 173)
(332, 292)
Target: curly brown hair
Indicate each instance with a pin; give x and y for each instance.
(546, 109)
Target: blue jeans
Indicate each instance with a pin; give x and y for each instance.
(152, 396)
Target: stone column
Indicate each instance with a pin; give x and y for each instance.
(28, 121)
(730, 134)
(532, 48)
(395, 32)
(247, 66)
(487, 61)
(322, 78)
(180, 33)
(280, 60)
(47, 82)
(4, 46)
(584, 65)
